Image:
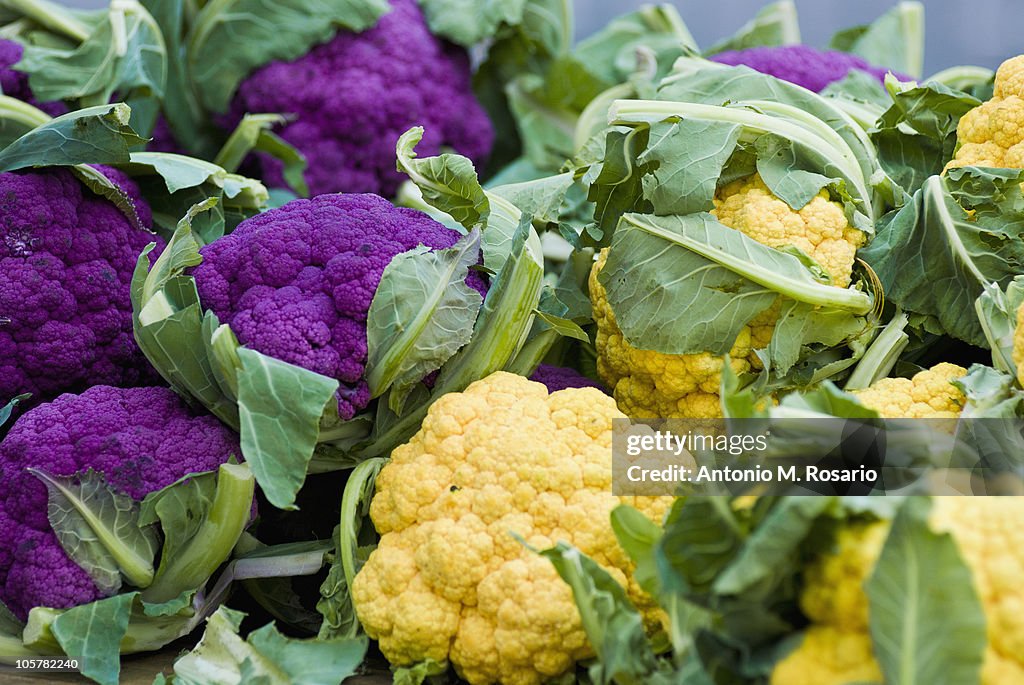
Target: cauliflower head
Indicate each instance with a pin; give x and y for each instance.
(837, 647)
(448, 579)
(352, 97)
(15, 84)
(140, 439)
(649, 384)
(801, 64)
(1018, 345)
(992, 135)
(296, 282)
(66, 261)
(557, 378)
(930, 394)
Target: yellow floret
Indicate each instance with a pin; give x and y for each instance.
(992, 134)
(836, 649)
(649, 384)
(930, 394)
(1018, 345)
(449, 581)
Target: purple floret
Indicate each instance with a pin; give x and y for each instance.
(66, 262)
(140, 439)
(15, 83)
(800, 64)
(296, 282)
(353, 96)
(557, 378)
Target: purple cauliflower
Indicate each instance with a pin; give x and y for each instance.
(140, 439)
(805, 66)
(296, 283)
(353, 96)
(15, 83)
(557, 378)
(66, 262)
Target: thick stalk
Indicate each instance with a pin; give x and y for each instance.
(51, 15)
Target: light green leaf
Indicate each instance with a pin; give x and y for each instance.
(279, 410)
(723, 279)
(8, 409)
(180, 509)
(775, 24)
(92, 634)
(541, 199)
(422, 312)
(564, 327)
(638, 536)
(919, 581)
(100, 529)
(95, 135)
(123, 54)
(222, 657)
(232, 38)
(467, 22)
(255, 133)
(997, 314)
(419, 673)
(448, 182)
(895, 40)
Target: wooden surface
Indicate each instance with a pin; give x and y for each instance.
(141, 669)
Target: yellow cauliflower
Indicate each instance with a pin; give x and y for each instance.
(649, 384)
(1018, 345)
(992, 135)
(837, 648)
(448, 579)
(930, 394)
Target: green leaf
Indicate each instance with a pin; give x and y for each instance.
(419, 673)
(448, 181)
(638, 536)
(279, 410)
(422, 312)
(701, 538)
(895, 40)
(613, 625)
(232, 38)
(255, 133)
(7, 410)
(95, 135)
(961, 232)
(775, 24)
(541, 198)
(18, 118)
(564, 327)
(919, 581)
(266, 656)
(467, 22)
(997, 314)
(125, 53)
(92, 634)
(180, 509)
(721, 280)
(99, 529)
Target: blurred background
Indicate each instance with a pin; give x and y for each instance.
(982, 32)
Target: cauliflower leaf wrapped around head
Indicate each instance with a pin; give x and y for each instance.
(352, 97)
(140, 439)
(66, 261)
(651, 384)
(448, 580)
(296, 283)
(992, 135)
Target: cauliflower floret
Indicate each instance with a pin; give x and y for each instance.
(1018, 345)
(353, 96)
(836, 649)
(992, 133)
(449, 580)
(140, 439)
(649, 384)
(930, 394)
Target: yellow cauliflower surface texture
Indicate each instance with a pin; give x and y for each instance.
(992, 135)
(837, 647)
(1018, 345)
(448, 580)
(930, 394)
(649, 384)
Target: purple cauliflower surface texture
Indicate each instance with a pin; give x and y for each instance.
(353, 96)
(140, 439)
(15, 83)
(557, 378)
(66, 262)
(296, 282)
(801, 64)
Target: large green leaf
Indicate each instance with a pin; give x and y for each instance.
(961, 232)
(232, 38)
(95, 135)
(92, 634)
(422, 312)
(124, 53)
(467, 22)
(702, 538)
(895, 40)
(919, 582)
(721, 280)
(99, 529)
(265, 656)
